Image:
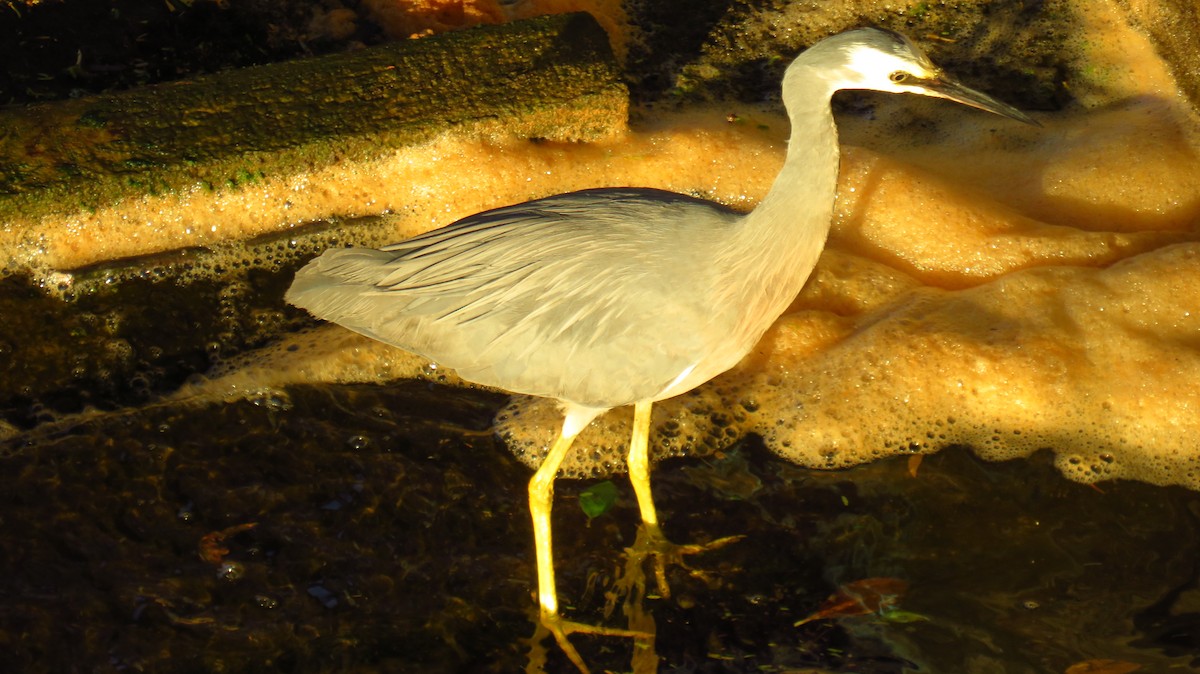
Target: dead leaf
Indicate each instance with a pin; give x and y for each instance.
(914, 462)
(862, 597)
(211, 549)
(1101, 666)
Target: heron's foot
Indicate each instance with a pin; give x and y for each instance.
(651, 542)
(561, 628)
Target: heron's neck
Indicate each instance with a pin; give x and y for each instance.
(807, 183)
(787, 231)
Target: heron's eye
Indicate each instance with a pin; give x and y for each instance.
(898, 76)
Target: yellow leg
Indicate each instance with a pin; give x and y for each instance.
(541, 500)
(650, 540)
(639, 462)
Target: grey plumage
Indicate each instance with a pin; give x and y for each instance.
(498, 296)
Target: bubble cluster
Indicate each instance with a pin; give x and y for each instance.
(1111, 398)
(939, 317)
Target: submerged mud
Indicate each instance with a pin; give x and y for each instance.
(370, 528)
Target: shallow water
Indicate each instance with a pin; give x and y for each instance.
(323, 528)
(373, 528)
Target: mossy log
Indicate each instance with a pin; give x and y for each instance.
(124, 331)
(551, 77)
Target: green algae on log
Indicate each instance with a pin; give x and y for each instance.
(551, 77)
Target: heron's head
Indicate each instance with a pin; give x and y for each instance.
(882, 60)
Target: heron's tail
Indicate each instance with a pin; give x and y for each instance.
(331, 283)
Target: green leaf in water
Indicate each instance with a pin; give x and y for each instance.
(598, 498)
(898, 616)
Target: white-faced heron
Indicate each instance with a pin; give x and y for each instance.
(619, 296)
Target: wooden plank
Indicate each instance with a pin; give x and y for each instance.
(552, 77)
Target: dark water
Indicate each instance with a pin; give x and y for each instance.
(382, 529)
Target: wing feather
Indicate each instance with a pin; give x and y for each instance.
(599, 297)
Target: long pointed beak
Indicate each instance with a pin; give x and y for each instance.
(947, 88)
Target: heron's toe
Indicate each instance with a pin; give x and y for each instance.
(561, 629)
(651, 542)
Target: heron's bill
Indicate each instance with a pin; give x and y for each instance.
(952, 90)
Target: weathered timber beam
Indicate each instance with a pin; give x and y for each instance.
(551, 77)
(121, 331)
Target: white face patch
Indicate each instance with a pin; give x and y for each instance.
(868, 67)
